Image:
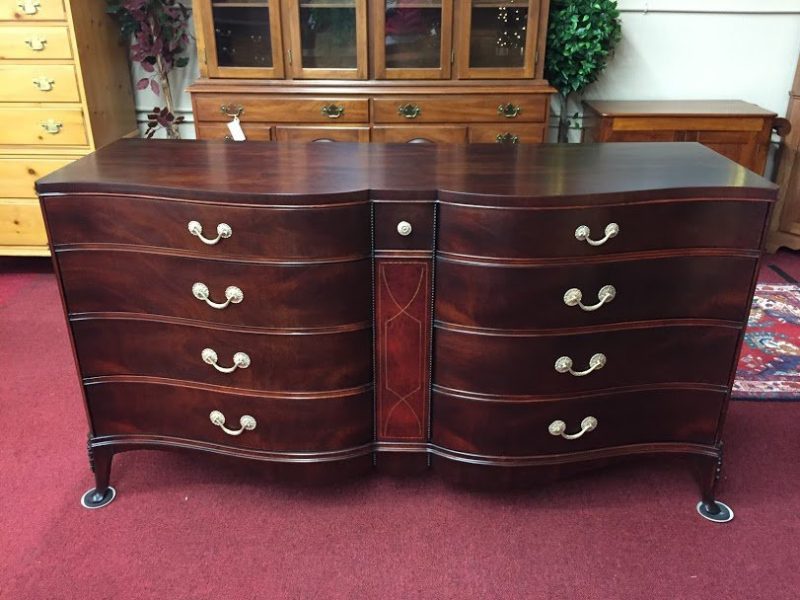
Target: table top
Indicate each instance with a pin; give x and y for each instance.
(684, 108)
(264, 172)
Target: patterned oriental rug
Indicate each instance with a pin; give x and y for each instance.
(769, 365)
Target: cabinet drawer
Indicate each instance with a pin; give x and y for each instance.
(330, 232)
(525, 364)
(520, 428)
(284, 295)
(506, 134)
(34, 42)
(21, 223)
(17, 175)
(220, 131)
(290, 362)
(682, 287)
(30, 124)
(38, 83)
(282, 424)
(442, 134)
(321, 134)
(389, 235)
(43, 10)
(459, 109)
(280, 109)
(545, 233)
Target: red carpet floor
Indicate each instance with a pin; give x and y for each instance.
(183, 528)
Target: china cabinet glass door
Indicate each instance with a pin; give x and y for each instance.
(243, 38)
(328, 39)
(497, 38)
(412, 38)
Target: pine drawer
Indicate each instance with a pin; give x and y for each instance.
(17, 175)
(38, 83)
(35, 42)
(29, 126)
(32, 10)
(21, 223)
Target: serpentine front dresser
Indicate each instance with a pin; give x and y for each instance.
(497, 314)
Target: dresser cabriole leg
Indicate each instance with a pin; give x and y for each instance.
(100, 462)
(709, 507)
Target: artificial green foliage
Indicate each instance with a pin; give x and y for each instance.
(580, 37)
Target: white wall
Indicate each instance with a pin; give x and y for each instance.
(670, 49)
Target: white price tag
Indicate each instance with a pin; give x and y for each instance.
(235, 127)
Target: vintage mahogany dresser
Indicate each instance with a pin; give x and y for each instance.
(497, 313)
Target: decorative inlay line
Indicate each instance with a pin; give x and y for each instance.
(135, 196)
(512, 263)
(563, 331)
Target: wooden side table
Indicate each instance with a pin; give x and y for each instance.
(736, 129)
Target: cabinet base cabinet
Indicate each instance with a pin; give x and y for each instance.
(499, 314)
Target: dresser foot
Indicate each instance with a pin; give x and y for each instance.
(716, 511)
(100, 462)
(93, 498)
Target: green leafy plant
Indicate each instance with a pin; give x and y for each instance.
(580, 37)
(157, 31)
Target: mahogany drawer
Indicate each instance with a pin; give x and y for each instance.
(406, 225)
(281, 109)
(35, 42)
(409, 134)
(677, 287)
(295, 424)
(525, 364)
(520, 428)
(506, 133)
(287, 295)
(460, 108)
(38, 83)
(220, 131)
(285, 362)
(333, 133)
(47, 126)
(318, 232)
(550, 232)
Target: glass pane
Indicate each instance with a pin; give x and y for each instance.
(497, 39)
(413, 34)
(241, 28)
(328, 34)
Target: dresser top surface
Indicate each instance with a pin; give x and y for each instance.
(678, 108)
(262, 172)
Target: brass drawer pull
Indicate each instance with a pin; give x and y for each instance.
(507, 138)
(333, 111)
(232, 110)
(573, 297)
(559, 428)
(247, 423)
(240, 361)
(29, 7)
(509, 111)
(45, 84)
(233, 295)
(564, 365)
(409, 111)
(52, 127)
(36, 43)
(224, 231)
(404, 228)
(582, 234)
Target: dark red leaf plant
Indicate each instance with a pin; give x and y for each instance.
(158, 34)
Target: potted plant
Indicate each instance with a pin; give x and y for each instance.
(157, 31)
(581, 35)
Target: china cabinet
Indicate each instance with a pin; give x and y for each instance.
(437, 71)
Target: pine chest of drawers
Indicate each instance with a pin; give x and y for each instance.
(497, 314)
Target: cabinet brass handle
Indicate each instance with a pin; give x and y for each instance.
(45, 84)
(333, 111)
(240, 360)
(29, 7)
(582, 234)
(509, 111)
(573, 297)
(559, 428)
(507, 138)
(233, 295)
(404, 228)
(232, 110)
(409, 111)
(246, 422)
(52, 127)
(223, 231)
(36, 43)
(564, 365)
